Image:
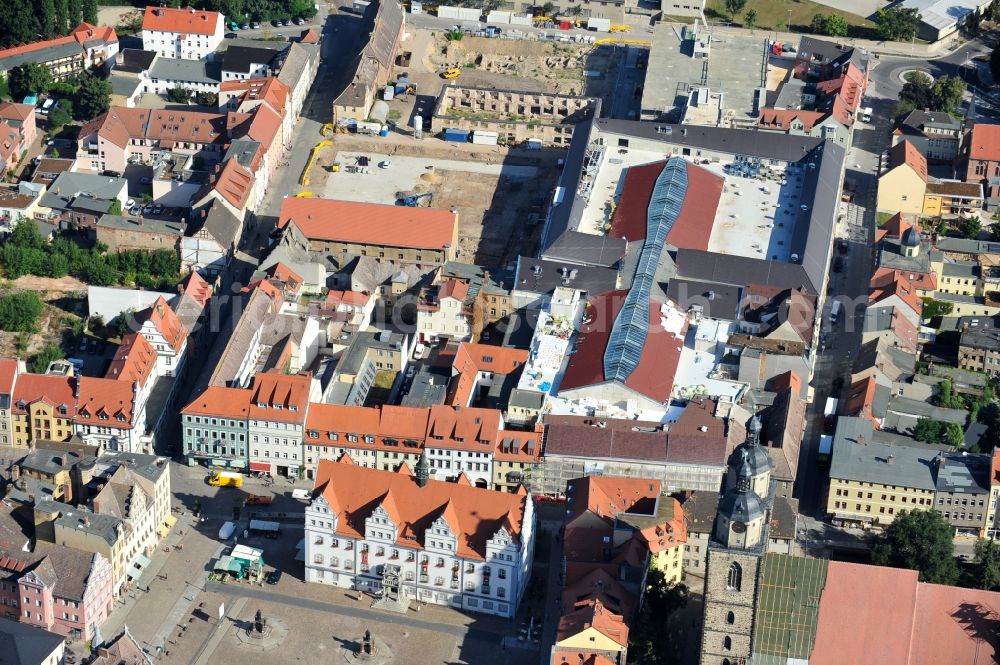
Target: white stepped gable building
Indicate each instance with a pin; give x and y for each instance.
(403, 537)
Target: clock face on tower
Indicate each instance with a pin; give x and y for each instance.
(739, 527)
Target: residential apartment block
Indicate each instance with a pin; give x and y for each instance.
(409, 538)
(183, 33)
(979, 344)
(85, 47)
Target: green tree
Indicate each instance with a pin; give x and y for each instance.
(750, 18)
(837, 26)
(649, 641)
(935, 308)
(987, 564)
(21, 23)
(968, 227)
(946, 396)
(993, 11)
(61, 115)
(116, 208)
(919, 540)
(28, 79)
(26, 235)
(179, 95)
(19, 311)
(46, 355)
(124, 321)
(734, 7)
(62, 17)
(46, 18)
(75, 13)
(929, 430)
(946, 93)
(89, 8)
(899, 24)
(973, 22)
(93, 97)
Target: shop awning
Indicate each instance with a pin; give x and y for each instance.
(141, 561)
(260, 466)
(237, 464)
(218, 462)
(170, 521)
(134, 572)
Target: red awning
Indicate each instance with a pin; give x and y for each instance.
(260, 466)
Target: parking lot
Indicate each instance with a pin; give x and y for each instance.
(468, 178)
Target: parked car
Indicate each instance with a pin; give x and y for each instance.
(157, 209)
(147, 209)
(135, 210)
(273, 577)
(255, 25)
(385, 164)
(245, 26)
(299, 21)
(231, 35)
(130, 203)
(258, 500)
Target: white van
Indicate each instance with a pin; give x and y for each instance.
(47, 106)
(301, 494)
(835, 311)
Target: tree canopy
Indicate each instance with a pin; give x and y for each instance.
(987, 564)
(19, 311)
(93, 97)
(899, 24)
(46, 355)
(27, 79)
(919, 92)
(832, 25)
(920, 540)
(26, 253)
(734, 7)
(649, 641)
(929, 430)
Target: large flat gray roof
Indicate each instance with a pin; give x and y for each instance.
(858, 456)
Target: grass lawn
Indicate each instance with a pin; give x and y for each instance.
(773, 15)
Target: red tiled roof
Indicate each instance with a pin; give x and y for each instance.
(652, 377)
(268, 89)
(518, 445)
(103, 401)
(185, 21)
(324, 419)
(463, 427)
(370, 223)
(893, 619)
(134, 360)
(885, 284)
(402, 422)
(11, 111)
(47, 388)
(198, 289)
(473, 358)
(8, 374)
(80, 34)
(905, 153)
(593, 615)
(163, 318)
(220, 401)
(693, 227)
(454, 288)
(984, 142)
(783, 118)
(349, 298)
(280, 397)
(476, 515)
(234, 183)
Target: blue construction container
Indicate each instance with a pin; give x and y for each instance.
(456, 135)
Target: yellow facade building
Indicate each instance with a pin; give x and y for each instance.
(903, 183)
(43, 408)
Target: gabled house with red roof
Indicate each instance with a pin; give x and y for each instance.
(979, 158)
(903, 181)
(591, 633)
(409, 538)
(824, 124)
(166, 334)
(85, 47)
(279, 404)
(215, 427)
(109, 416)
(478, 367)
(444, 311)
(184, 33)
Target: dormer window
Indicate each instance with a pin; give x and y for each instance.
(62, 409)
(261, 405)
(120, 418)
(276, 406)
(292, 407)
(333, 436)
(313, 434)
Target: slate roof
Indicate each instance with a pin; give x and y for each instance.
(24, 644)
(241, 58)
(859, 457)
(133, 60)
(192, 71)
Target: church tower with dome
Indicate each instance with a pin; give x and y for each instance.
(736, 552)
